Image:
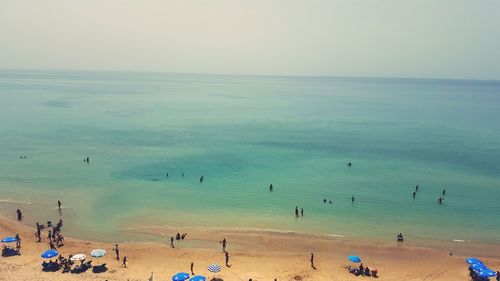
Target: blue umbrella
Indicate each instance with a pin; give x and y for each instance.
(486, 273)
(181, 276)
(198, 278)
(478, 267)
(49, 254)
(354, 258)
(9, 240)
(472, 260)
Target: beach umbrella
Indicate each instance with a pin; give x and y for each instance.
(97, 253)
(486, 273)
(478, 267)
(181, 276)
(354, 259)
(472, 260)
(198, 278)
(214, 268)
(9, 240)
(78, 257)
(49, 254)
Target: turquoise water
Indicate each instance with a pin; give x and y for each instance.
(243, 133)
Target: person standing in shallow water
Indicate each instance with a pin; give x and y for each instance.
(271, 187)
(352, 199)
(414, 194)
(19, 215)
(172, 242)
(416, 188)
(444, 191)
(440, 200)
(296, 211)
(302, 212)
(59, 204)
(201, 179)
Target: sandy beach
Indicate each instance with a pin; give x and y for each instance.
(260, 256)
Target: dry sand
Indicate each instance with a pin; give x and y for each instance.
(260, 256)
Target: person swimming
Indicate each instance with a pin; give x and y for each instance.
(324, 200)
(444, 191)
(414, 194)
(330, 202)
(201, 179)
(352, 199)
(440, 200)
(349, 164)
(416, 188)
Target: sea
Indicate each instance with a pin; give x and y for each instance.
(151, 136)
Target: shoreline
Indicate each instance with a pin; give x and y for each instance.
(256, 255)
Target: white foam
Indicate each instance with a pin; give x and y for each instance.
(14, 201)
(461, 241)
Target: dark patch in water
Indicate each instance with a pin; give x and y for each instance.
(56, 103)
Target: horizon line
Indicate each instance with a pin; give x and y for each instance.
(251, 75)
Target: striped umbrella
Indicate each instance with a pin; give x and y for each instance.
(214, 268)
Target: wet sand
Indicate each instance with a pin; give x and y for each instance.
(256, 255)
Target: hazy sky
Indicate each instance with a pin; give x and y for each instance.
(402, 38)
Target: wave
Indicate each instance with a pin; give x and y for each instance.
(15, 201)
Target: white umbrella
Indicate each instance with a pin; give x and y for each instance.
(78, 257)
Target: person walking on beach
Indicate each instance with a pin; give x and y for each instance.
(224, 244)
(50, 235)
(59, 204)
(172, 242)
(296, 211)
(124, 263)
(19, 215)
(38, 234)
(192, 268)
(227, 259)
(117, 252)
(312, 261)
(18, 242)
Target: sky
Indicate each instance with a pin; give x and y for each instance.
(457, 39)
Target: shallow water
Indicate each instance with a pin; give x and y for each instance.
(243, 133)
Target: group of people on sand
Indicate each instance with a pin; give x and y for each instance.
(67, 265)
(54, 236)
(8, 251)
(362, 270)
